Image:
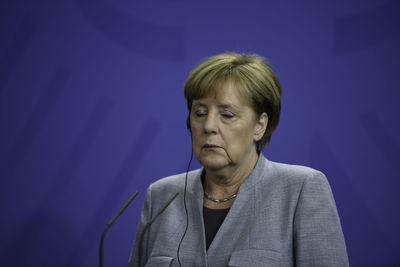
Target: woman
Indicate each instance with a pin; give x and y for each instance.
(240, 209)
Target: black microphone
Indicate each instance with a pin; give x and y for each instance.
(111, 223)
(161, 210)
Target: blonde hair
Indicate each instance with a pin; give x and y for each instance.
(255, 77)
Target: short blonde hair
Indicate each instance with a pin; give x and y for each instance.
(255, 78)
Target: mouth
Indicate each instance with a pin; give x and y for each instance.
(210, 146)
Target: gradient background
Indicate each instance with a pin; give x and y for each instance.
(92, 109)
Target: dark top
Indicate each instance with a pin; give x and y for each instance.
(212, 221)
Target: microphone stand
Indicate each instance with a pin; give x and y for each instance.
(111, 223)
(161, 210)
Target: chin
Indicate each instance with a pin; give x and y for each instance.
(212, 163)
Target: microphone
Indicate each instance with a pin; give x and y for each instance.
(161, 210)
(111, 223)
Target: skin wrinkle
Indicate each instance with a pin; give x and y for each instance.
(229, 124)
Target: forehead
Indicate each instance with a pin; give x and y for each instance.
(225, 92)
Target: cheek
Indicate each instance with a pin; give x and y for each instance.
(193, 125)
(194, 129)
(240, 138)
(195, 134)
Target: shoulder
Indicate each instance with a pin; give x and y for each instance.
(295, 172)
(290, 173)
(161, 191)
(299, 182)
(174, 183)
(289, 179)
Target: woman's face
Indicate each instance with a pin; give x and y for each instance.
(225, 128)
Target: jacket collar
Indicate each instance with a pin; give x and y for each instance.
(195, 186)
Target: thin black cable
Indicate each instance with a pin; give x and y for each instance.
(186, 211)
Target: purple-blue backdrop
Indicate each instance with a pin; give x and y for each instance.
(92, 109)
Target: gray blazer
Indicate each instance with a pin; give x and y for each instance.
(284, 215)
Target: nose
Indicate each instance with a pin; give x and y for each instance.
(211, 124)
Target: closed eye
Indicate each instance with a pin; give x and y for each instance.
(200, 114)
(228, 115)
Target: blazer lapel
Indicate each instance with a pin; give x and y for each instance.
(235, 230)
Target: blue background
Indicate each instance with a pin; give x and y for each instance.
(92, 109)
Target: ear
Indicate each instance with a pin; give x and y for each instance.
(260, 127)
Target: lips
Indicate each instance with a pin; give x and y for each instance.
(210, 146)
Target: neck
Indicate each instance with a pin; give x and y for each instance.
(225, 182)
